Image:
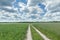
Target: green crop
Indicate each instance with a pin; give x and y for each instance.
(13, 31)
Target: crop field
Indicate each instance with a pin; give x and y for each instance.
(18, 31)
(51, 30)
(35, 35)
(13, 31)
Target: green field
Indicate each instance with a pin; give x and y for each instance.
(13, 31)
(35, 35)
(18, 31)
(51, 30)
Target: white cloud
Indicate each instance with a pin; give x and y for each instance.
(53, 11)
(34, 2)
(31, 11)
(28, 11)
(52, 16)
(7, 16)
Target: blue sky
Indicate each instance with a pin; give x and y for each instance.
(29, 10)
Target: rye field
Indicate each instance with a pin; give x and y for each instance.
(51, 30)
(13, 31)
(18, 31)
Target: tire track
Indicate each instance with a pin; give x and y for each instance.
(41, 34)
(29, 36)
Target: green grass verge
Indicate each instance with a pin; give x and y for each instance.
(13, 31)
(51, 30)
(35, 35)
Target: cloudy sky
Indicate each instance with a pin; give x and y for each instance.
(29, 10)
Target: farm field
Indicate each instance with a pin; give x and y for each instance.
(13, 31)
(18, 31)
(51, 30)
(35, 35)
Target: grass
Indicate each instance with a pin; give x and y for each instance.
(51, 30)
(13, 31)
(35, 35)
(18, 31)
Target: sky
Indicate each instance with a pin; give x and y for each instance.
(29, 10)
